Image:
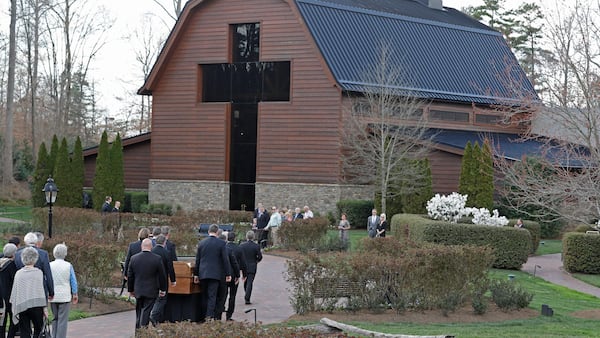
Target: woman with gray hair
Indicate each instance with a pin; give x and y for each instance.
(65, 290)
(28, 297)
(7, 276)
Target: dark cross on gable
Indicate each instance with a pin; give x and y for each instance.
(244, 82)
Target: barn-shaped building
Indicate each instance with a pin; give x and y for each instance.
(248, 95)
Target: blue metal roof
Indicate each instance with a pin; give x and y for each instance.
(508, 146)
(444, 54)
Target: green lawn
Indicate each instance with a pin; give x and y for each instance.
(590, 279)
(22, 213)
(550, 246)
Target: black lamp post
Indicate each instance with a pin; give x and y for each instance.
(51, 191)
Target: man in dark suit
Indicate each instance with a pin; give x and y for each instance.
(261, 219)
(252, 256)
(146, 280)
(106, 207)
(134, 248)
(35, 240)
(157, 313)
(297, 214)
(224, 286)
(170, 246)
(233, 285)
(372, 223)
(212, 264)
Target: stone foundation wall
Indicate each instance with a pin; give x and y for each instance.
(321, 198)
(190, 195)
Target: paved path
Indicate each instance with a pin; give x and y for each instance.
(270, 298)
(550, 268)
(10, 220)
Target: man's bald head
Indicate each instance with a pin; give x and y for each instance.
(147, 244)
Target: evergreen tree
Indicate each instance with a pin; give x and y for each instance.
(475, 177)
(102, 177)
(466, 182)
(485, 193)
(77, 173)
(117, 172)
(416, 202)
(39, 177)
(62, 175)
(53, 154)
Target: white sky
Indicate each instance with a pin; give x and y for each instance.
(115, 70)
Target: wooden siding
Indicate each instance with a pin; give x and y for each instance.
(445, 171)
(136, 164)
(298, 141)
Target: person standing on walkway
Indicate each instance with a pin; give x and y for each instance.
(273, 225)
(224, 286)
(170, 246)
(8, 269)
(212, 266)
(65, 288)
(157, 313)
(252, 256)
(233, 285)
(146, 280)
(28, 296)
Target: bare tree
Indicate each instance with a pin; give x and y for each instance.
(384, 130)
(7, 172)
(563, 182)
(175, 10)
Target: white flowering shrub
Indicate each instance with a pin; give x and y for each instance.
(449, 208)
(482, 216)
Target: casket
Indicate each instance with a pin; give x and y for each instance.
(184, 275)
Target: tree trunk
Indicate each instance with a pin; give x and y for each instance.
(7, 174)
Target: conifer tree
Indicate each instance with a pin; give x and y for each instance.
(485, 194)
(117, 172)
(474, 177)
(62, 175)
(39, 177)
(466, 182)
(53, 154)
(77, 173)
(102, 177)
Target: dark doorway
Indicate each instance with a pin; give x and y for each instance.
(242, 160)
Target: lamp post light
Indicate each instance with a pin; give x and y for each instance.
(51, 191)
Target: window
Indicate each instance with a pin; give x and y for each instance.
(245, 40)
(216, 83)
(487, 119)
(439, 115)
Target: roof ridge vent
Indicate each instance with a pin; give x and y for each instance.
(436, 4)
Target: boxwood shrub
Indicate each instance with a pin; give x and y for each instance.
(581, 252)
(534, 229)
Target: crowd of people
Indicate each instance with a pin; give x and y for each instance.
(30, 283)
(264, 222)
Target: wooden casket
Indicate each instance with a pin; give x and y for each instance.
(184, 275)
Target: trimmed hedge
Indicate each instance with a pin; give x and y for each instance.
(511, 246)
(303, 234)
(134, 201)
(535, 230)
(581, 252)
(357, 212)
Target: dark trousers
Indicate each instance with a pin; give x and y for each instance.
(143, 307)
(12, 330)
(221, 298)
(232, 290)
(157, 315)
(35, 316)
(210, 290)
(248, 286)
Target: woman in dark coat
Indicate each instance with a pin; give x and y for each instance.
(7, 276)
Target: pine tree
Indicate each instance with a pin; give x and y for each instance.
(415, 203)
(62, 175)
(39, 177)
(485, 194)
(475, 177)
(102, 178)
(117, 172)
(466, 182)
(53, 154)
(77, 173)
